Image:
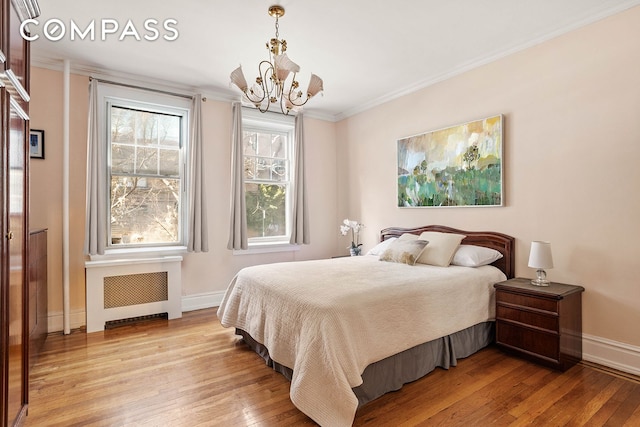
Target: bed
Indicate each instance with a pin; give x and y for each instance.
(346, 330)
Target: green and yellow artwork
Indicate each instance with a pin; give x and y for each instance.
(456, 166)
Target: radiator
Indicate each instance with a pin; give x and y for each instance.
(125, 289)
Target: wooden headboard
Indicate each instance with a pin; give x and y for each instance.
(501, 242)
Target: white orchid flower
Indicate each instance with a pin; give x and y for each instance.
(354, 227)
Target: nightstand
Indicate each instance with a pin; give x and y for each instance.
(540, 323)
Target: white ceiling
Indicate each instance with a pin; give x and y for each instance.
(366, 51)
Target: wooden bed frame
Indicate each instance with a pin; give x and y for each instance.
(501, 242)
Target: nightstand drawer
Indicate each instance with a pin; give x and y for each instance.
(527, 301)
(520, 338)
(544, 321)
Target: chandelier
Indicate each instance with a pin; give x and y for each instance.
(271, 85)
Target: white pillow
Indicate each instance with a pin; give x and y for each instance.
(408, 236)
(441, 248)
(381, 247)
(404, 251)
(475, 256)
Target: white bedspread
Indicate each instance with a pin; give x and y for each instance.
(329, 319)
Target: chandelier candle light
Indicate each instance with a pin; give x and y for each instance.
(270, 87)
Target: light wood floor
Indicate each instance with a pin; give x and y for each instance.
(192, 372)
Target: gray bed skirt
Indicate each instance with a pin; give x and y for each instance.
(391, 373)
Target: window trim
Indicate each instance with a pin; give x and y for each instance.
(253, 120)
(161, 103)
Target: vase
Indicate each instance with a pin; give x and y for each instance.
(355, 251)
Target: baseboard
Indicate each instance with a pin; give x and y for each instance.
(200, 301)
(614, 354)
(78, 318)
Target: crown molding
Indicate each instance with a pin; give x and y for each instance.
(151, 83)
(132, 79)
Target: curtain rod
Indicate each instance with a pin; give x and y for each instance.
(164, 92)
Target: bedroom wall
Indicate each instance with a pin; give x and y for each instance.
(572, 143)
(571, 108)
(205, 276)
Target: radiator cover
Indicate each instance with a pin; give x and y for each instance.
(122, 289)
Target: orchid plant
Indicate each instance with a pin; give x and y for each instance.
(353, 227)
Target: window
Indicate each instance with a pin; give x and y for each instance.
(267, 149)
(146, 144)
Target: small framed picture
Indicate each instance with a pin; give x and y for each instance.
(36, 144)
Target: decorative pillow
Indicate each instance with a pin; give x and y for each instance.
(442, 247)
(475, 256)
(404, 251)
(381, 247)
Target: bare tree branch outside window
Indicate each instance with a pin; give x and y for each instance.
(145, 177)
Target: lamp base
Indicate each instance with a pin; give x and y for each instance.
(541, 278)
(540, 282)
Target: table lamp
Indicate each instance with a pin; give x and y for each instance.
(540, 258)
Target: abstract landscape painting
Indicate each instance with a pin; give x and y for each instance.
(456, 166)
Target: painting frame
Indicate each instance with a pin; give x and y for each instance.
(36, 144)
(454, 166)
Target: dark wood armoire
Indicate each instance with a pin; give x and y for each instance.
(14, 222)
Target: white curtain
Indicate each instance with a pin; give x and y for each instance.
(300, 218)
(198, 231)
(95, 238)
(238, 226)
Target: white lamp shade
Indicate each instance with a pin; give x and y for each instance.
(284, 66)
(291, 107)
(540, 255)
(283, 62)
(237, 78)
(315, 86)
